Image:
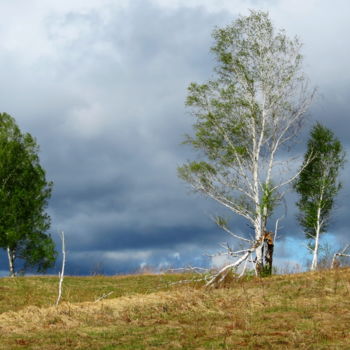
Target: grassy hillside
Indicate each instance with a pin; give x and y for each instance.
(304, 311)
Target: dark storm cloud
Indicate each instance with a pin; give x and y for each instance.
(103, 91)
(115, 173)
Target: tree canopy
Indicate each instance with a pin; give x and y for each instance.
(24, 194)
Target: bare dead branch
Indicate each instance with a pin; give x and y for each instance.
(61, 274)
(103, 296)
(339, 254)
(189, 269)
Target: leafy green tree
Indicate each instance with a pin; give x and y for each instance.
(251, 109)
(318, 184)
(24, 194)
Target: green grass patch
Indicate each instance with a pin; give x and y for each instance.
(19, 292)
(304, 311)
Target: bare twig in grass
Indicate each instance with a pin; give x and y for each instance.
(187, 281)
(61, 274)
(103, 296)
(198, 270)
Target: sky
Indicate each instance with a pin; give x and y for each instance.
(101, 85)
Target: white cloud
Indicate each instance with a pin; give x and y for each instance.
(219, 261)
(233, 6)
(127, 254)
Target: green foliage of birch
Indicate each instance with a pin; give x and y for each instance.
(24, 193)
(251, 109)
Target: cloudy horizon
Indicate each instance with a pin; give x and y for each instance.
(101, 85)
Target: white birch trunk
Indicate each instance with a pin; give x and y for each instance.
(317, 242)
(317, 234)
(11, 258)
(259, 264)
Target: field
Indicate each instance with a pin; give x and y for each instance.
(300, 311)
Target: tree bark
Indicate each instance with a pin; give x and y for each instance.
(259, 263)
(268, 238)
(11, 254)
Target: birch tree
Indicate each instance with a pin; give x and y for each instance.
(245, 117)
(24, 193)
(318, 184)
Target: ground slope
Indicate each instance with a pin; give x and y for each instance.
(304, 311)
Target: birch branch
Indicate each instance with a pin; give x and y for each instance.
(220, 276)
(230, 232)
(276, 228)
(226, 203)
(306, 246)
(295, 175)
(244, 268)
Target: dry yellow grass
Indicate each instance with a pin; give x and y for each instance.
(68, 315)
(304, 311)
